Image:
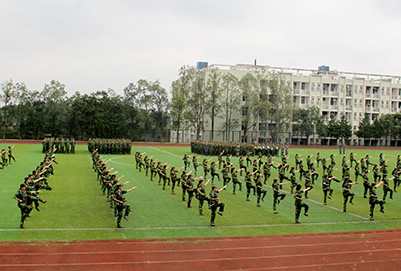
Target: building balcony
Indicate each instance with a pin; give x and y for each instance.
(349, 107)
(375, 96)
(325, 106)
(394, 97)
(375, 109)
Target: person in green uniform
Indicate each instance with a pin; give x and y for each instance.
(318, 159)
(293, 179)
(260, 192)
(278, 196)
(235, 180)
(249, 184)
(213, 171)
(347, 193)
(224, 173)
(190, 188)
(174, 178)
(201, 194)
(121, 205)
(195, 163)
(241, 164)
(299, 204)
(386, 188)
(23, 204)
(3, 158)
(10, 154)
(326, 186)
(215, 203)
(373, 199)
(186, 162)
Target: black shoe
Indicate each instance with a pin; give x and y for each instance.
(212, 225)
(220, 213)
(126, 218)
(306, 214)
(119, 226)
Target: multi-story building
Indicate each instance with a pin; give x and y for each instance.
(350, 93)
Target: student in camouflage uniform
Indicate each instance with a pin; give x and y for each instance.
(201, 194)
(299, 204)
(277, 195)
(249, 184)
(24, 203)
(121, 205)
(215, 203)
(347, 193)
(260, 192)
(10, 154)
(373, 200)
(235, 180)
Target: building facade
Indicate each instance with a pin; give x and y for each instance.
(334, 92)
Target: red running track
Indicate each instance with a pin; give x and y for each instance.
(376, 250)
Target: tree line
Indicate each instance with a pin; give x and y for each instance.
(139, 114)
(147, 112)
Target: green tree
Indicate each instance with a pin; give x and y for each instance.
(364, 128)
(231, 99)
(7, 96)
(178, 104)
(249, 88)
(281, 100)
(196, 103)
(213, 101)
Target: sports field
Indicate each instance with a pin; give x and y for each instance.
(76, 209)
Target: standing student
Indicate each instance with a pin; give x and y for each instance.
(121, 204)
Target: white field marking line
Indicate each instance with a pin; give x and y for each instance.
(197, 250)
(205, 227)
(316, 265)
(176, 155)
(208, 260)
(119, 163)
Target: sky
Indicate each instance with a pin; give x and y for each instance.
(91, 45)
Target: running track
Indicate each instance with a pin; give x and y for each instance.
(376, 250)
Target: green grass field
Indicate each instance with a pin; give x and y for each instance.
(77, 210)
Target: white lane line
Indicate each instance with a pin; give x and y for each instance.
(207, 227)
(353, 265)
(364, 242)
(173, 154)
(225, 259)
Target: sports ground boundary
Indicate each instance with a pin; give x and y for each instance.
(171, 144)
(369, 250)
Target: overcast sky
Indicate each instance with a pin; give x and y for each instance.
(91, 45)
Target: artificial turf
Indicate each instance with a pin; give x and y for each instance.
(77, 209)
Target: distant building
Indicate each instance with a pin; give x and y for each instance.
(334, 92)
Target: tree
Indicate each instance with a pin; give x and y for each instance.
(159, 106)
(364, 128)
(196, 103)
(54, 96)
(340, 129)
(231, 99)
(7, 95)
(281, 100)
(213, 101)
(249, 88)
(180, 92)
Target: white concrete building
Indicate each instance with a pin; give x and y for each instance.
(334, 92)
